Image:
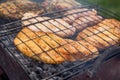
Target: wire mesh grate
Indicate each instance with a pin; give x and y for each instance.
(40, 70)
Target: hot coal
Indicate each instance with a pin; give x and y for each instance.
(36, 69)
(39, 70)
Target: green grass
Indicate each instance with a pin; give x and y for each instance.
(112, 5)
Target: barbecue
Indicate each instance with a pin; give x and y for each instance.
(102, 34)
(53, 5)
(14, 9)
(58, 44)
(54, 26)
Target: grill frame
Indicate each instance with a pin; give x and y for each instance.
(12, 59)
(12, 68)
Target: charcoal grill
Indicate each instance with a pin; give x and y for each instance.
(20, 67)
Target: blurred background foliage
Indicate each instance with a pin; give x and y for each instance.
(112, 5)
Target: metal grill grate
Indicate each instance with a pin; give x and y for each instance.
(13, 10)
(39, 70)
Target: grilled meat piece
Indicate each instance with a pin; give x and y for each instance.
(51, 5)
(82, 18)
(102, 35)
(49, 48)
(56, 26)
(15, 9)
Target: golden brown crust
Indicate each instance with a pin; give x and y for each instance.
(16, 9)
(56, 26)
(50, 48)
(82, 18)
(53, 5)
(103, 34)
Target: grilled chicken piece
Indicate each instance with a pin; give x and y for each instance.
(16, 8)
(56, 26)
(102, 35)
(82, 18)
(51, 5)
(49, 48)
